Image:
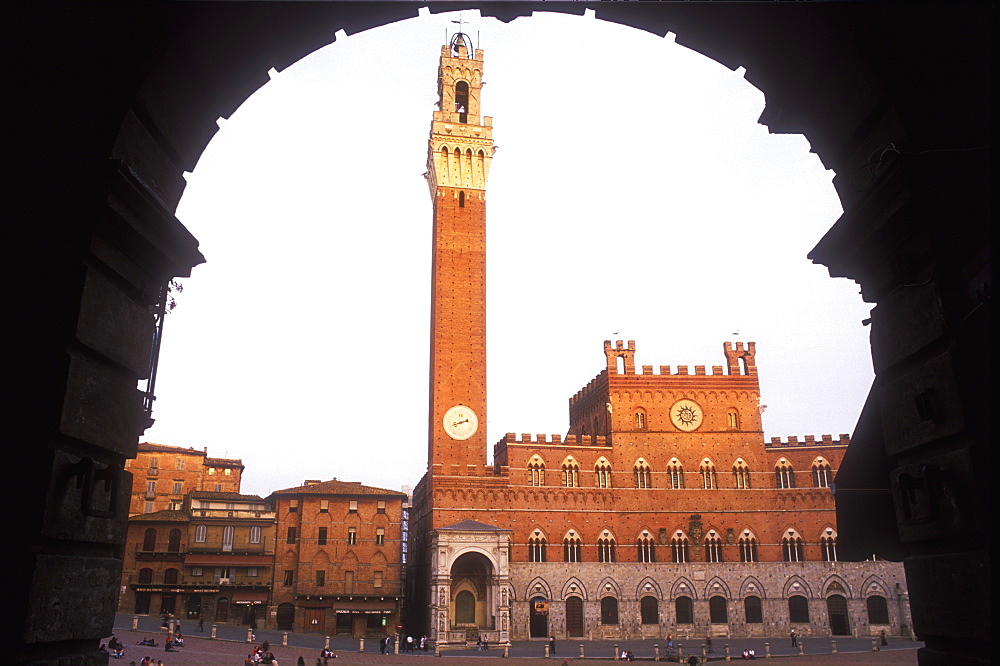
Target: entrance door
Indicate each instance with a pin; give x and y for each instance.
(142, 603)
(840, 623)
(315, 620)
(194, 606)
(539, 624)
(574, 617)
(222, 610)
(286, 616)
(168, 603)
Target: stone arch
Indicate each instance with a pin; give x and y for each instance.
(717, 586)
(837, 584)
(751, 586)
(537, 586)
(683, 587)
(648, 586)
(875, 585)
(609, 586)
(797, 585)
(574, 587)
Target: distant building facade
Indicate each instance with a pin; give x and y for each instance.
(662, 511)
(211, 560)
(162, 475)
(338, 563)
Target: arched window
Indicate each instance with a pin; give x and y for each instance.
(748, 547)
(571, 473)
(798, 609)
(255, 534)
(675, 474)
(572, 547)
(462, 101)
(461, 199)
(878, 610)
(145, 576)
(784, 475)
(822, 474)
(733, 419)
(606, 547)
(465, 608)
(792, 547)
(828, 545)
(646, 546)
(708, 478)
(741, 474)
(536, 547)
(642, 474)
(228, 532)
(680, 547)
(649, 610)
(174, 541)
(609, 610)
(640, 420)
(200, 533)
(713, 547)
(170, 577)
(718, 610)
(602, 473)
(684, 609)
(753, 610)
(536, 471)
(149, 539)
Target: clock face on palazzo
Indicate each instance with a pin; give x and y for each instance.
(460, 422)
(686, 415)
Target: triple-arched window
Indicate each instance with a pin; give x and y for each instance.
(741, 474)
(643, 474)
(713, 547)
(536, 547)
(675, 474)
(709, 481)
(606, 547)
(822, 474)
(792, 547)
(680, 547)
(572, 547)
(536, 472)
(602, 473)
(570, 473)
(748, 547)
(646, 547)
(828, 545)
(784, 475)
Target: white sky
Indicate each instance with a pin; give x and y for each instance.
(633, 192)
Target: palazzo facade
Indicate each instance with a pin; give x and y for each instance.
(663, 510)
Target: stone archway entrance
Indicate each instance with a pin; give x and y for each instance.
(539, 619)
(472, 606)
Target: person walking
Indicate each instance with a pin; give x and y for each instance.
(552, 644)
(795, 639)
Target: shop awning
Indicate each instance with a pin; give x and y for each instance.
(250, 598)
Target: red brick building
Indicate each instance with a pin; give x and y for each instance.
(162, 475)
(338, 560)
(663, 510)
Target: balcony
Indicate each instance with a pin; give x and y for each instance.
(161, 555)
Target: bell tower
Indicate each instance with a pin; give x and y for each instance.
(459, 151)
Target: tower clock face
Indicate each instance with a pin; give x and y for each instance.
(686, 415)
(460, 422)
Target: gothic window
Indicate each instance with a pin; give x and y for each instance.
(609, 610)
(675, 474)
(784, 475)
(681, 548)
(878, 610)
(149, 540)
(748, 547)
(640, 420)
(684, 609)
(713, 547)
(828, 545)
(822, 474)
(753, 610)
(718, 611)
(462, 101)
(798, 609)
(572, 547)
(642, 474)
(536, 472)
(646, 547)
(536, 547)
(571, 473)
(602, 473)
(649, 610)
(792, 548)
(709, 481)
(741, 474)
(606, 548)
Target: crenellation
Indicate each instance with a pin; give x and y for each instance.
(699, 370)
(809, 441)
(647, 369)
(682, 370)
(664, 370)
(717, 370)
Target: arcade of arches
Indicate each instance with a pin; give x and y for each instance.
(118, 101)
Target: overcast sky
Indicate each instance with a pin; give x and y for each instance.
(633, 196)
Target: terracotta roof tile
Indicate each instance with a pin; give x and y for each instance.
(165, 448)
(208, 494)
(337, 487)
(224, 462)
(164, 516)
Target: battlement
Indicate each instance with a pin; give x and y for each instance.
(808, 440)
(558, 440)
(740, 360)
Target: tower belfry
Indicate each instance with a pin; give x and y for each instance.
(459, 151)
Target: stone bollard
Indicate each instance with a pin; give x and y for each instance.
(437, 649)
(802, 649)
(833, 647)
(767, 650)
(284, 639)
(680, 653)
(249, 635)
(656, 651)
(215, 628)
(616, 653)
(548, 656)
(728, 655)
(361, 645)
(395, 645)
(581, 650)
(326, 643)
(135, 623)
(704, 652)
(506, 650)
(874, 644)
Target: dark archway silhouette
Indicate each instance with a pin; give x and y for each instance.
(113, 103)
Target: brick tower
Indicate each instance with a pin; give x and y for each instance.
(459, 151)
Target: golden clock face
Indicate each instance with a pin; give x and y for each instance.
(686, 415)
(460, 422)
